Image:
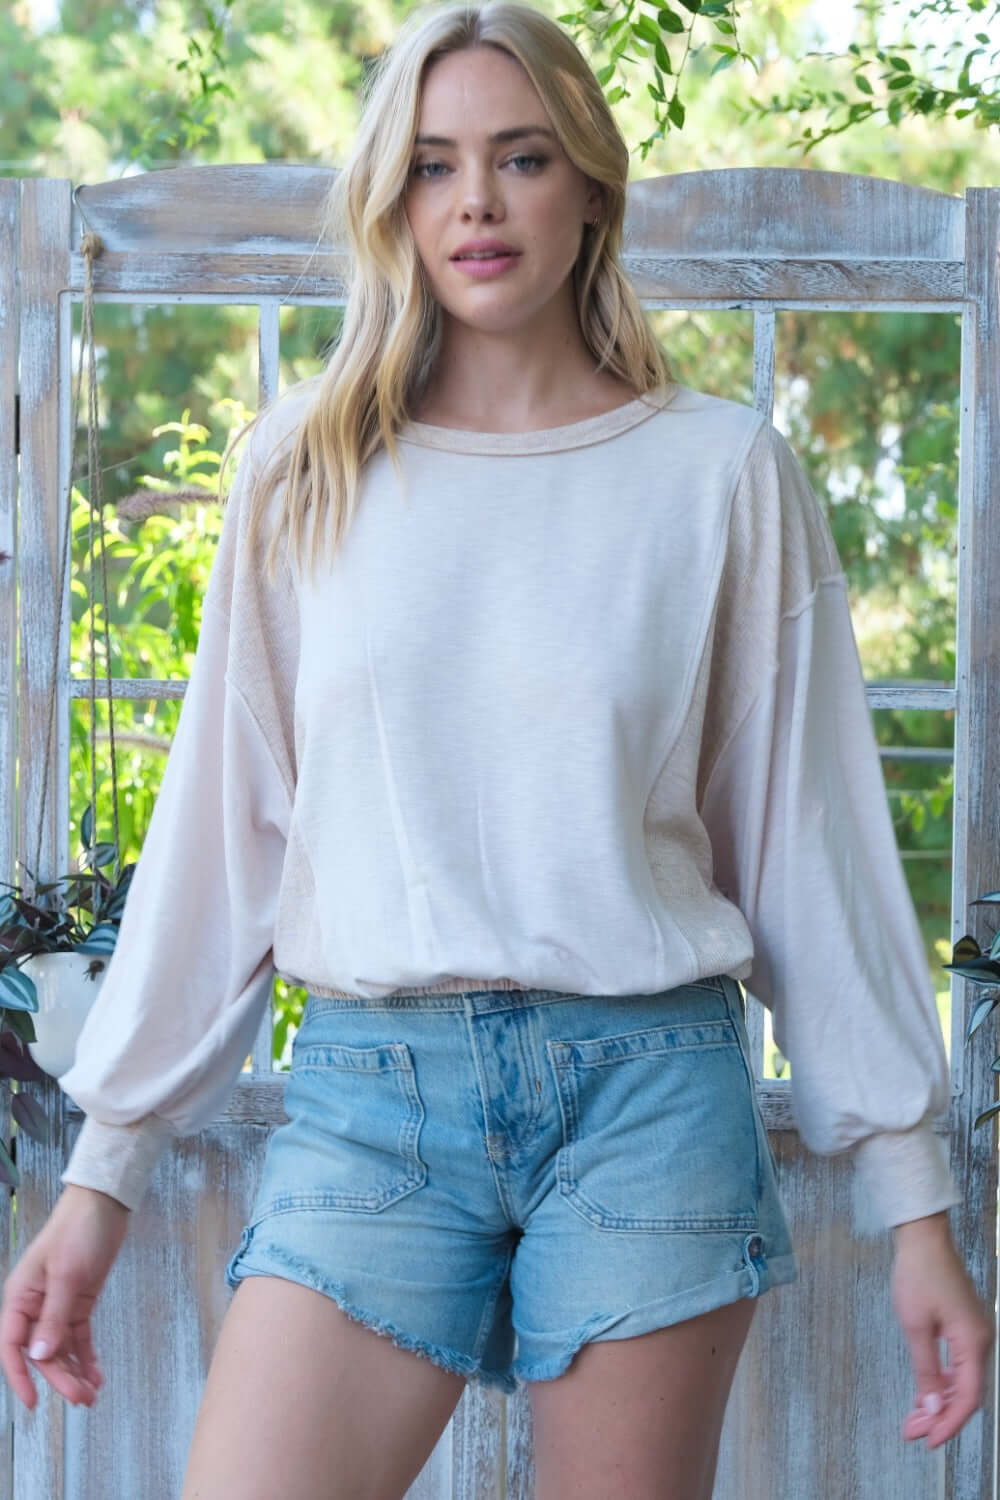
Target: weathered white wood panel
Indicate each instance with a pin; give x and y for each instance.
(972, 1455)
(9, 230)
(824, 1381)
(43, 738)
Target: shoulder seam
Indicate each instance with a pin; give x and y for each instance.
(794, 610)
(686, 695)
(288, 790)
(793, 613)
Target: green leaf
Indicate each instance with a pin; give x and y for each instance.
(979, 1015)
(862, 83)
(22, 1025)
(976, 971)
(17, 990)
(645, 29)
(669, 20)
(100, 939)
(8, 1170)
(87, 826)
(603, 74)
(662, 55)
(900, 63)
(30, 1116)
(694, 6)
(986, 1114)
(724, 62)
(675, 112)
(99, 854)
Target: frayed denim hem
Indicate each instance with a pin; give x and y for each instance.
(291, 1268)
(757, 1277)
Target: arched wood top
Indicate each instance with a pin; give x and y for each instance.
(792, 212)
(788, 212)
(252, 206)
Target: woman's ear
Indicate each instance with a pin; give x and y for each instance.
(595, 204)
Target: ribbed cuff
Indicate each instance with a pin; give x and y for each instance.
(902, 1175)
(118, 1159)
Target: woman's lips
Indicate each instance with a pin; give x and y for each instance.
(483, 269)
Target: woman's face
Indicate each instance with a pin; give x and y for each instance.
(464, 186)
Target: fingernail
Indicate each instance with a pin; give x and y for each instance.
(38, 1350)
(931, 1402)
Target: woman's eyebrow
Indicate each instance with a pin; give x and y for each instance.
(514, 133)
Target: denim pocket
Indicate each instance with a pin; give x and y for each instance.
(658, 1129)
(353, 1132)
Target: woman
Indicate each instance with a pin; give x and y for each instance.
(519, 777)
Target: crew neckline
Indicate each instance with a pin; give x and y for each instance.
(542, 439)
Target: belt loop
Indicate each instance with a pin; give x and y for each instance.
(736, 994)
(753, 1255)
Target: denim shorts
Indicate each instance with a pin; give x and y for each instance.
(493, 1178)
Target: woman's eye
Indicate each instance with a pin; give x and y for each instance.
(420, 170)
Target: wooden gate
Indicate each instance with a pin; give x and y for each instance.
(825, 1378)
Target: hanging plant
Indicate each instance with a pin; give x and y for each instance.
(57, 934)
(78, 914)
(971, 963)
(46, 942)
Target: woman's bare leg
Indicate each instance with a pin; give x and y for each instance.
(640, 1417)
(304, 1402)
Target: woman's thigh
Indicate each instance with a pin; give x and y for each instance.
(640, 1417)
(304, 1402)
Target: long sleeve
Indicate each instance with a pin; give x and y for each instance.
(803, 843)
(189, 979)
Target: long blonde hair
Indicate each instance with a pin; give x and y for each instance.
(392, 324)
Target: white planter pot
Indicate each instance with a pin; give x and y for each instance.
(66, 991)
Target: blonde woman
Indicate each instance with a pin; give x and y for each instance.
(526, 722)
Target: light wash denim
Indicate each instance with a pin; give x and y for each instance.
(496, 1177)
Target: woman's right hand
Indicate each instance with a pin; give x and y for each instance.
(50, 1294)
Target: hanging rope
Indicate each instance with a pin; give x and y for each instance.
(91, 246)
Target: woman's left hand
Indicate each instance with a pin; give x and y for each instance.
(934, 1298)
